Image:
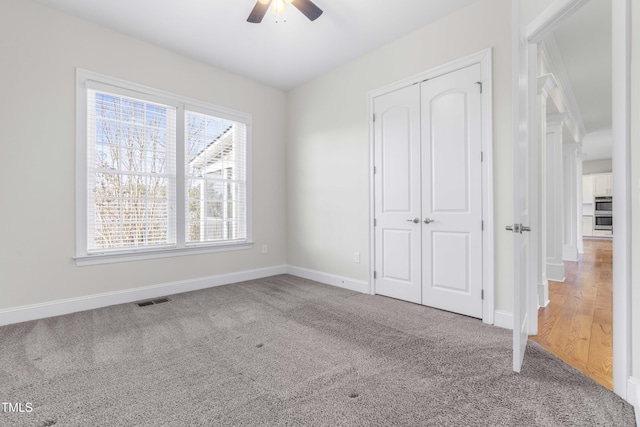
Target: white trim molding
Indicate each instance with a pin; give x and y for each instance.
(503, 319)
(330, 279)
(572, 200)
(83, 261)
(90, 302)
(633, 395)
(553, 193)
(543, 294)
(555, 272)
(622, 201)
(551, 17)
(538, 134)
(550, 54)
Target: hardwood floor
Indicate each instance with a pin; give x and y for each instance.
(576, 326)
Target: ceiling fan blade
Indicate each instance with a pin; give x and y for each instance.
(308, 8)
(258, 12)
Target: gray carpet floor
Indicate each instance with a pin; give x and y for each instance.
(287, 351)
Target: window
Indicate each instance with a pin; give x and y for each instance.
(157, 174)
(215, 174)
(131, 176)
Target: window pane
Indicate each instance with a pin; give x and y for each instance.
(215, 165)
(130, 174)
(194, 187)
(129, 211)
(131, 192)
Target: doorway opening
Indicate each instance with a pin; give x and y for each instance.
(586, 278)
(576, 325)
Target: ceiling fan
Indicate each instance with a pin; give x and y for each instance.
(307, 7)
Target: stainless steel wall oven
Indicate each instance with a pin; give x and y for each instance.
(604, 206)
(603, 222)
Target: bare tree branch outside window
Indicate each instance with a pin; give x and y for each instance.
(130, 183)
(132, 175)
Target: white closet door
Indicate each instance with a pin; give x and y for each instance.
(397, 194)
(452, 192)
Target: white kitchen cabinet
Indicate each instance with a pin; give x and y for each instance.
(602, 184)
(587, 225)
(587, 189)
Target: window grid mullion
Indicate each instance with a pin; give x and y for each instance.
(179, 211)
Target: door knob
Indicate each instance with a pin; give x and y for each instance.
(515, 228)
(414, 220)
(428, 220)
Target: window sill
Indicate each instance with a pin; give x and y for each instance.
(111, 258)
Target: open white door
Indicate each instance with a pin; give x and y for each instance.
(521, 175)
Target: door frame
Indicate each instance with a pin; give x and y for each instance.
(621, 125)
(484, 58)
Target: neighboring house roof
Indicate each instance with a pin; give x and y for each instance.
(218, 149)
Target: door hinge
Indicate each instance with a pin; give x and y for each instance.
(375, 275)
(482, 225)
(375, 222)
(374, 117)
(479, 84)
(375, 170)
(482, 294)
(481, 156)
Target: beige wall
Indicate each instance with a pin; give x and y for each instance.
(41, 49)
(597, 166)
(532, 8)
(328, 145)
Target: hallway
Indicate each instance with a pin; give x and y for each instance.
(576, 326)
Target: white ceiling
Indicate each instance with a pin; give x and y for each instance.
(584, 42)
(287, 54)
(282, 55)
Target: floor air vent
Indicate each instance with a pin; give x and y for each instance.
(152, 302)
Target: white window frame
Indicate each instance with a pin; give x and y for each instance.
(83, 256)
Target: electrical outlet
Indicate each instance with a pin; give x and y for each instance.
(265, 249)
(356, 257)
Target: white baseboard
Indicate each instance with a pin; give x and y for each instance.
(555, 272)
(633, 395)
(543, 294)
(570, 253)
(89, 302)
(330, 279)
(503, 319)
